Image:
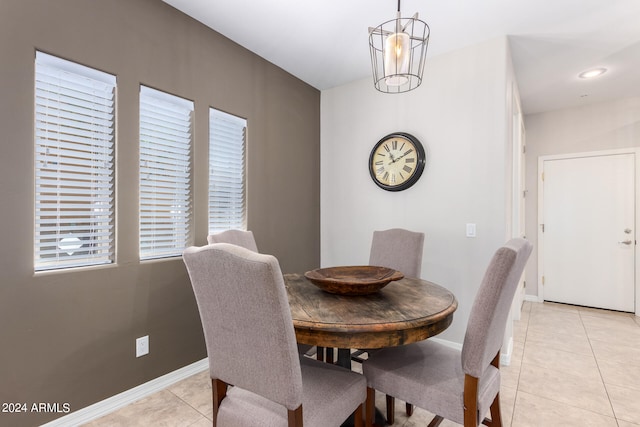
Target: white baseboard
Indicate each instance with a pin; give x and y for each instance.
(505, 356)
(447, 343)
(532, 298)
(125, 398)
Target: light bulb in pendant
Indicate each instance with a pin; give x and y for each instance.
(396, 59)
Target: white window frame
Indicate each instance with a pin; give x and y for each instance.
(227, 172)
(74, 165)
(165, 191)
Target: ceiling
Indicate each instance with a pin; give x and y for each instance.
(325, 42)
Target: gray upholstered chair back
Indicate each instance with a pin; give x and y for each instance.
(235, 237)
(398, 249)
(488, 318)
(246, 320)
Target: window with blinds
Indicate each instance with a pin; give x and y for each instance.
(227, 137)
(165, 173)
(74, 164)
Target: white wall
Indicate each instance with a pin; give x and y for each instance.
(460, 115)
(602, 126)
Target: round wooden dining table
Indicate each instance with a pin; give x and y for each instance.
(404, 311)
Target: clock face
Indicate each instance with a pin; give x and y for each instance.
(396, 161)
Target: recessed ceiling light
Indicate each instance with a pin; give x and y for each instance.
(589, 74)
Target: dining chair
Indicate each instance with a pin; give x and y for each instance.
(401, 250)
(236, 237)
(251, 345)
(246, 240)
(460, 386)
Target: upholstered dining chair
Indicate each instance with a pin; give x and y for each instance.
(398, 249)
(236, 237)
(457, 385)
(401, 250)
(251, 345)
(246, 240)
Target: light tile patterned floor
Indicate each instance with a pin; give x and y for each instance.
(571, 366)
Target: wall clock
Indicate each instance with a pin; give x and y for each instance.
(397, 161)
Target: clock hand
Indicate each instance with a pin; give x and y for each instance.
(408, 152)
(395, 160)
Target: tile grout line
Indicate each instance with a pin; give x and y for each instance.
(188, 404)
(613, 411)
(524, 347)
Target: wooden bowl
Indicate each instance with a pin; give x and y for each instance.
(353, 280)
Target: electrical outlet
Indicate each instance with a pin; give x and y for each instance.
(142, 346)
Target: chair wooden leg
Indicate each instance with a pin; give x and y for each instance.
(295, 417)
(370, 407)
(391, 409)
(409, 409)
(219, 392)
(435, 422)
(357, 417)
(470, 401)
(496, 417)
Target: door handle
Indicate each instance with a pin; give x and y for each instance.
(626, 242)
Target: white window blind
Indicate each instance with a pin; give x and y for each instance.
(165, 173)
(227, 135)
(74, 164)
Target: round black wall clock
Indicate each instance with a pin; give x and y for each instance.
(397, 161)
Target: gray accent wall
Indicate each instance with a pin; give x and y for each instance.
(68, 336)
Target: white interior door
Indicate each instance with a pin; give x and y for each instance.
(589, 236)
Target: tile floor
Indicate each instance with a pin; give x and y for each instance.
(571, 366)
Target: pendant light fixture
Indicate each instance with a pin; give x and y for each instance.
(398, 50)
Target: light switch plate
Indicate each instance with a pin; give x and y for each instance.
(471, 230)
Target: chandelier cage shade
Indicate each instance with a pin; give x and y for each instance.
(398, 51)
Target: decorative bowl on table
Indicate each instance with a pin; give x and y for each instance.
(353, 280)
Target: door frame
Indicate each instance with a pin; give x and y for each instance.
(631, 150)
(518, 187)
